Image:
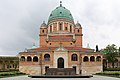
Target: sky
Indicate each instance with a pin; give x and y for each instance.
(20, 22)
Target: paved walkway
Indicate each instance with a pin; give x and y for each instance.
(95, 77)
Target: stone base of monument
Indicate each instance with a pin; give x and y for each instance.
(60, 73)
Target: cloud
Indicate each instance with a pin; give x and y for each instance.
(20, 22)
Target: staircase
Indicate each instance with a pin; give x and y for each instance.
(60, 71)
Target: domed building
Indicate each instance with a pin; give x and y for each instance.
(61, 51)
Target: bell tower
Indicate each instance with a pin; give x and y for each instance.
(78, 35)
(43, 34)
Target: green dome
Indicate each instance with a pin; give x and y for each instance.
(61, 12)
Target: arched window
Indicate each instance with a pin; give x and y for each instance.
(10, 66)
(66, 28)
(92, 58)
(74, 57)
(50, 28)
(42, 31)
(78, 30)
(98, 58)
(60, 27)
(47, 57)
(70, 28)
(22, 58)
(35, 59)
(29, 58)
(85, 59)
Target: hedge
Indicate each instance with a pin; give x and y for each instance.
(113, 74)
(109, 73)
(112, 69)
(10, 73)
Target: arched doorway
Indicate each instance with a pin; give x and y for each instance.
(60, 62)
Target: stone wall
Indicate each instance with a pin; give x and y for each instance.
(91, 67)
(32, 69)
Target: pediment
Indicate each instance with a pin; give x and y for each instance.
(61, 49)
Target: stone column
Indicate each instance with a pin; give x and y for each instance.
(88, 58)
(57, 26)
(95, 58)
(73, 36)
(32, 58)
(63, 26)
(52, 27)
(25, 58)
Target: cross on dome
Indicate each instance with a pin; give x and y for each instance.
(60, 3)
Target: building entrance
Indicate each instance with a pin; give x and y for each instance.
(60, 62)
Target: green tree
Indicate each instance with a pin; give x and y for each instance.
(119, 51)
(110, 52)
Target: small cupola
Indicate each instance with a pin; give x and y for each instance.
(78, 25)
(34, 46)
(43, 25)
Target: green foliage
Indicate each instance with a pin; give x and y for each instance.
(110, 53)
(119, 51)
